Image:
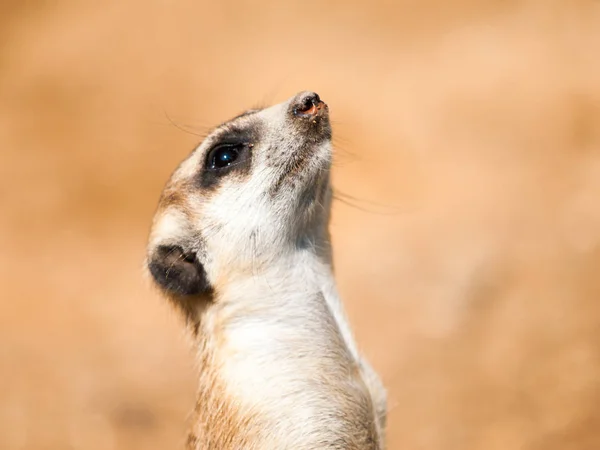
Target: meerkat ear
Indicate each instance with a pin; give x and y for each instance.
(178, 272)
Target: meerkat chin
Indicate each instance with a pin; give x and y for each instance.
(240, 245)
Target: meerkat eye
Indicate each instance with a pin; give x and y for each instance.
(224, 159)
(223, 156)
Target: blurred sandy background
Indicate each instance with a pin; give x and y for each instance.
(469, 136)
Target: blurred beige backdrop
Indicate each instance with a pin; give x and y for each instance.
(469, 149)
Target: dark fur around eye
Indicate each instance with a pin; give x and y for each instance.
(230, 153)
(178, 272)
(224, 160)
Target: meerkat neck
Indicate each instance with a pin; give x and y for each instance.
(281, 347)
(286, 283)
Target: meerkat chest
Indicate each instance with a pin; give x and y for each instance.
(285, 364)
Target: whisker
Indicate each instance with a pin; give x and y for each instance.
(391, 407)
(267, 98)
(180, 257)
(181, 128)
(354, 202)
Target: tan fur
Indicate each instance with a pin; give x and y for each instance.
(278, 366)
(219, 422)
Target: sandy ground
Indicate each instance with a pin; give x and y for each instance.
(468, 136)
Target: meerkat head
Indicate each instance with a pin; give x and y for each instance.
(256, 187)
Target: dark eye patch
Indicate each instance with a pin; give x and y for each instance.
(231, 153)
(224, 160)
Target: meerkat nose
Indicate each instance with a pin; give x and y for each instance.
(308, 104)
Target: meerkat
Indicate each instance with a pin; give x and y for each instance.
(240, 245)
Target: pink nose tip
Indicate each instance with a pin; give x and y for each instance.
(309, 104)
